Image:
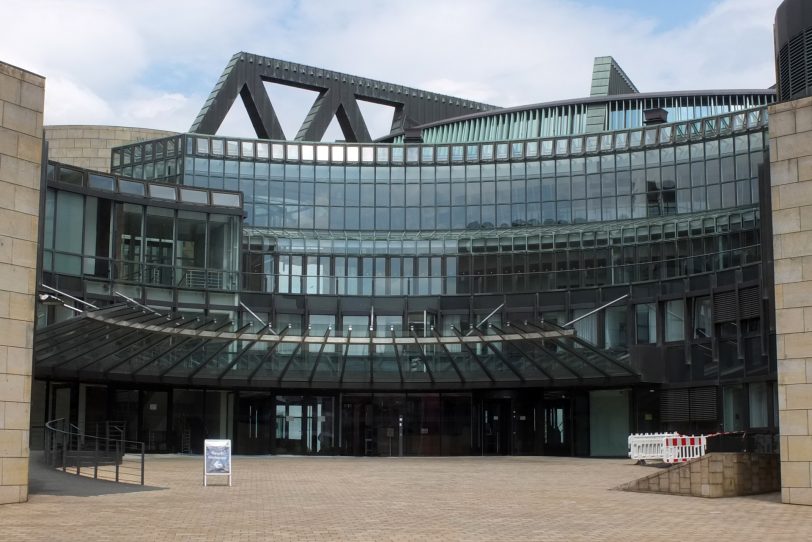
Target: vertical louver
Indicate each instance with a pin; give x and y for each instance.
(795, 67)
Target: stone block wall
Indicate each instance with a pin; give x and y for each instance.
(89, 146)
(714, 475)
(791, 194)
(21, 105)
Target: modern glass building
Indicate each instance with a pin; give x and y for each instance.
(535, 280)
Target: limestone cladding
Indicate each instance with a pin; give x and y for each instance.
(714, 475)
(89, 146)
(21, 105)
(791, 194)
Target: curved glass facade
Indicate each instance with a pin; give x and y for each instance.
(370, 281)
(672, 169)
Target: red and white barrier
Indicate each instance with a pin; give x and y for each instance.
(647, 446)
(678, 449)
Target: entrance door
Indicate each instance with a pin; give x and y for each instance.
(525, 428)
(304, 424)
(557, 427)
(358, 435)
(254, 423)
(374, 426)
(61, 402)
(496, 430)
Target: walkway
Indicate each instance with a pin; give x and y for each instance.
(294, 498)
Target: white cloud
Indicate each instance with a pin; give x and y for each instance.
(153, 63)
(161, 110)
(64, 98)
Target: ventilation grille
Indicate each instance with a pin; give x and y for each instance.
(724, 306)
(689, 405)
(703, 404)
(727, 307)
(795, 67)
(675, 406)
(749, 303)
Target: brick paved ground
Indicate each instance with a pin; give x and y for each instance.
(288, 498)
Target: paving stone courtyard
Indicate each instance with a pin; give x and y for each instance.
(320, 498)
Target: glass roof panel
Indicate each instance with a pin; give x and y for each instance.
(414, 369)
(98, 344)
(385, 366)
(159, 365)
(198, 359)
(146, 357)
(272, 366)
(300, 366)
(470, 369)
(222, 360)
(329, 367)
(357, 366)
(173, 348)
(146, 342)
(248, 363)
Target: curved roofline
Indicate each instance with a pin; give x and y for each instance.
(592, 100)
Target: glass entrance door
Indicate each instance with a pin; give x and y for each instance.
(375, 425)
(557, 427)
(304, 424)
(526, 439)
(254, 422)
(496, 430)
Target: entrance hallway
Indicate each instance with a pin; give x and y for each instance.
(345, 498)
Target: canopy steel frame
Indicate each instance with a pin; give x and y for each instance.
(471, 351)
(242, 352)
(144, 349)
(172, 347)
(192, 351)
(498, 353)
(267, 355)
(120, 333)
(215, 354)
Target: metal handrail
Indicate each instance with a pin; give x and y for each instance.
(69, 449)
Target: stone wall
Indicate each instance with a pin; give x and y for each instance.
(89, 146)
(791, 194)
(21, 104)
(714, 475)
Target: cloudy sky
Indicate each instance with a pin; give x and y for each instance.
(152, 63)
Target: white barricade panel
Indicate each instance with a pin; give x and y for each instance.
(647, 446)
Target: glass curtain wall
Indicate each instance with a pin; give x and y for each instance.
(159, 246)
(646, 174)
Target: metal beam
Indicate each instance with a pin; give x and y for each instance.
(245, 72)
(423, 356)
(267, 355)
(318, 357)
(501, 357)
(537, 365)
(216, 353)
(450, 356)
(593, 311)
(172, 347)
(471, 351)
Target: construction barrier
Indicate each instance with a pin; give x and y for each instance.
(680, 449)
(647, 446)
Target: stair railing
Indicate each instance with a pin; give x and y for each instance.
(108, 458)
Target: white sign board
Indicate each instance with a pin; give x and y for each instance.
(216, 459)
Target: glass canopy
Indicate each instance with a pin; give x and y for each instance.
(127, 343)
